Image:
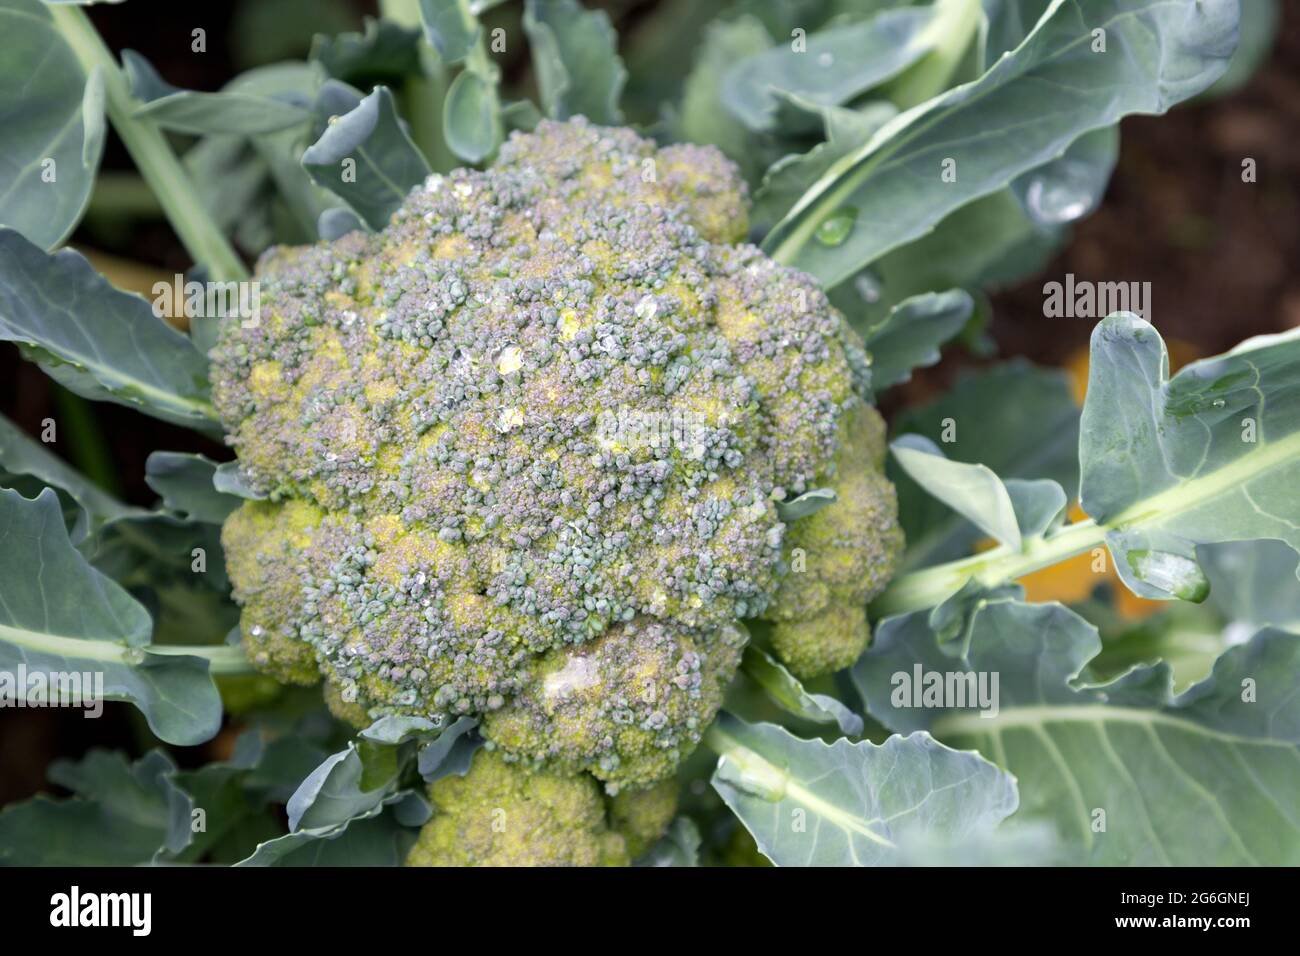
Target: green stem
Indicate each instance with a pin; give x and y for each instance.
(151, 152)
(949, 35)
(422, 94)
(930, 586)
(759, 772)
(927, 588)
(221, 658)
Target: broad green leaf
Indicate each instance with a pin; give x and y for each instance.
(95, 340)
(393, 730)
(1018, 420)
(336, 791)
(789, 178)
(680, 846)
(356, 784)
(451, 27)
(367, 159)
(702, 118)
(187, 111)
(991, 242)
(575, 55)
(255, 186)
(450, 752)
(1039, 505)
(1126, 772)
(60, 615)
(910, 335)
(808, 803)
(784, 689)
(973, 491)
(1070, 186)
(471, 117)
(151, 549)
(834, 66)
(988, 243)
(977, 138)
(375, 839)
(1252, 583)
(187, 485)
(1260, 20)
(119, 815)
(1212, 454)
(336, 222)
(22, 455)
(52, 114)
(386, 53)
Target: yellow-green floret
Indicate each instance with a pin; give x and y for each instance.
(522, 452)
(642, 816)
(626, 706)
(503, 814)
(839, 557)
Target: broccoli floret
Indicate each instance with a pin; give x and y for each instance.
(626, 707)
(538, 427)
(643, 816)
(504, 814)
(263, 543)
(839, 557)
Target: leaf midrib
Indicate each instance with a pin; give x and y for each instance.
(1038, 716)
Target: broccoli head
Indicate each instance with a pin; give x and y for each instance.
(521, 453)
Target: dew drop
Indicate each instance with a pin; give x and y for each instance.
(836, 227)
(868, 286)
(1172, 573)
(1062, 193)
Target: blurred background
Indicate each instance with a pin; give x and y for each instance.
(1222, 257)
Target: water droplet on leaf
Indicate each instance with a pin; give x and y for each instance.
(1171, 573)
(836, 227)
(1062, 193)
(868, 286)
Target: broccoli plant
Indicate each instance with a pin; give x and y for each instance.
(557, 523)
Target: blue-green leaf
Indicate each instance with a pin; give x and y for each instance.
(471, 117)
(52, 114)
(21, 455)
(119, 815)
(1125, 772)
(367, 159)
(784, 689)
(575, 54)
(977, 138)
(187, 111)
(60, 615)
(808, 503)
(974, 491)
(385, 50)
(1211, 454)
(450, 27)
(95, 340)
(1018, 420)
(808, 803)
(910, 335)
(186, 483)
(836, 65)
